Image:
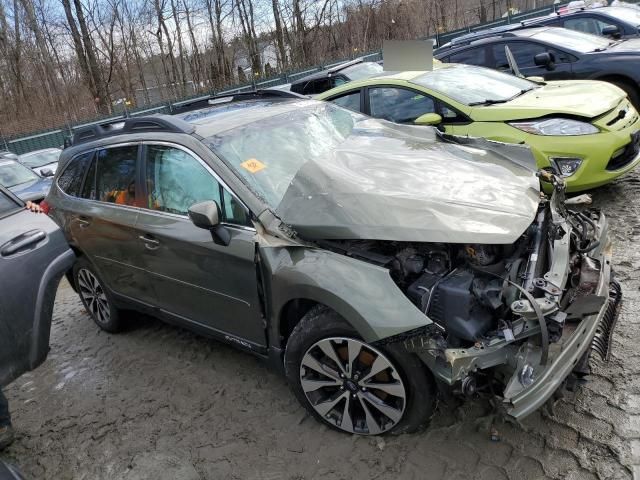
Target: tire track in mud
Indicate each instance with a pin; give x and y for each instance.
(159, 402)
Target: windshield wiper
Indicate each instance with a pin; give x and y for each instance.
(488, 102)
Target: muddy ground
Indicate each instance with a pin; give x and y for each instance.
(158, 402)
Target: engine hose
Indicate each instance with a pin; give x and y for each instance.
(588, 248)
(544, 332)
(589, 221)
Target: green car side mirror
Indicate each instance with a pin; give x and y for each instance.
(428, 119)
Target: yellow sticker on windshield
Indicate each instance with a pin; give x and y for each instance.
(253, 165)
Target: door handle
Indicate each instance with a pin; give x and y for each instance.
(22, 242)
(150, 243)
(83, 222)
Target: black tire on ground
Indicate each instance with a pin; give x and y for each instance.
(632, 91)
(109, 322)
(320, 323)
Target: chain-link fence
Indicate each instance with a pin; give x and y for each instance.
(55, 137)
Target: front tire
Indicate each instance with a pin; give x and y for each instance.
(352, 386)
(95, 297)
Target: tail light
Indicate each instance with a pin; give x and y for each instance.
(45, 207)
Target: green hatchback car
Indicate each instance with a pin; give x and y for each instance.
(588, 131)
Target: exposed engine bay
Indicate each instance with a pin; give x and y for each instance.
(502, 313)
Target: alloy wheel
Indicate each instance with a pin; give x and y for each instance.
(94, 296)
(353, 386)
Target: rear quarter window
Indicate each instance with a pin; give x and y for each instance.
(70, 180)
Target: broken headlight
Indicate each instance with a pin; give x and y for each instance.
(556, 126)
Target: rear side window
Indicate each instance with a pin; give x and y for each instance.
(116, 175)
(70, 181)
(349, 100)
(7, 205)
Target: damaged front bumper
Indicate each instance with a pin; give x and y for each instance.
(530, 367)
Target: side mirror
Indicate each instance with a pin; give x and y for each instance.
(47, 173)
(428, 119)
(544, 60)
(611, 31)
(207, 215)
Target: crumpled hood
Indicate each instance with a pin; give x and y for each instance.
(402, 183)
(586, 98)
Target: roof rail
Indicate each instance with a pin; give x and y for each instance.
(156, 123)
(209, 100)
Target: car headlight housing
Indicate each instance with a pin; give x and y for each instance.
(566, 166)
(556, 126)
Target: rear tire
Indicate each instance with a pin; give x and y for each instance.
(350, 396)
(95, 296)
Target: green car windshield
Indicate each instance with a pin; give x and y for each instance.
(267, 154)
(471, 85)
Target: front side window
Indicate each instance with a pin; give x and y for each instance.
(398, 104)
(70, 181)
(349, 100)
(116, 175)
(175, 181)
(523, 52)
(472, 56)
(590, 25)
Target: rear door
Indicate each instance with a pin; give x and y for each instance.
(33, 257)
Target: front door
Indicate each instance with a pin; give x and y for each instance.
(210, 286)
(524, 53)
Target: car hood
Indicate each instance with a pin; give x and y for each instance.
(33, 191)
(631, 45)
(583, 98)
(407, 183)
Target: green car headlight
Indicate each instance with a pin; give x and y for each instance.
(556, 126)
(567, 166)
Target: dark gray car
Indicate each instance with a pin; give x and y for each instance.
(375, 263)
(34, 255)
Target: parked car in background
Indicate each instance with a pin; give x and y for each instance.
(555, 54)
(23, 181)
(345, 72)
(41, 160)
(8, 154)
(370, 261)
(587, 131)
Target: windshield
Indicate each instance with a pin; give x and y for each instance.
(362, 70)
(13, 174)
(38, 159)
(471, 85)
(626, 15)
(572, 40)
(268, 153)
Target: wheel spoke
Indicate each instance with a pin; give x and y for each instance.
(327, 347)
(372, 424)
(346, 421)
(320, 368)
(325, 407)
(392, 413)
(313, 385)
(379, 364)
(396, 389)
(354, 350)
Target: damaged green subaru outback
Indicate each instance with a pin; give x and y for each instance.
(377, 265)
